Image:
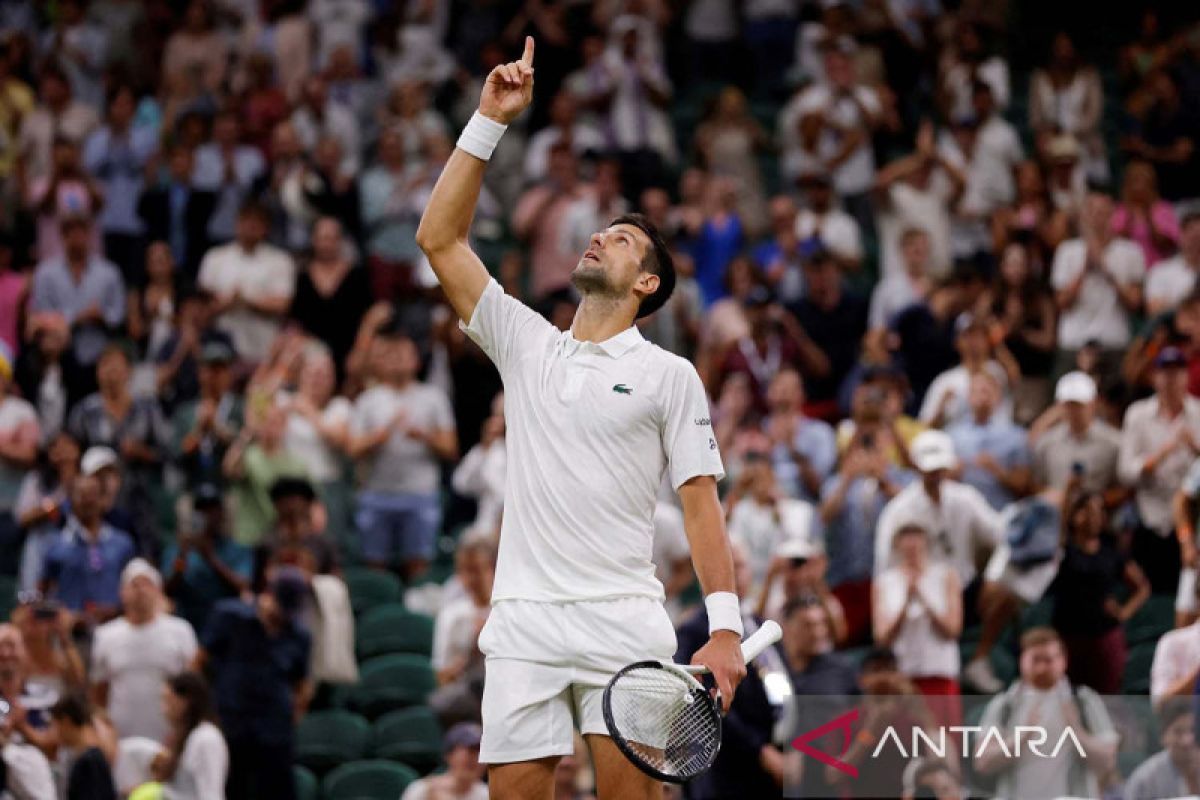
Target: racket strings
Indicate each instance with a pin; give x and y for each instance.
(666, 721)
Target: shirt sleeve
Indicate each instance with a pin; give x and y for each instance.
(1191, 481)
(101, 668)
(1162, 670)
(1066, 266)
(505, 327)
(687, 434)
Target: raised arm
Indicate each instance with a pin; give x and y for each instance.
(446, 222)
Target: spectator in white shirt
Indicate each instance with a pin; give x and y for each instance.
(918, 191)
(253, 283)
(917, 611)
(820, 218)
(135, 653)
(1097, 278)
(196, 762)
(400, 432)
(961, 525)
(851, 112)
(564, 126)
(912, 286)
(317, 117)
(1159, 440)
(945, 400)
(463, 778)
(1176, 665)
(1173, 279)
(456, 658)
(481, 472)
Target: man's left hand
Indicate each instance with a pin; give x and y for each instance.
(723, 657)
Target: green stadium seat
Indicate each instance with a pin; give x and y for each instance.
(1151, 621)
(369, 588)
(325, 739)
(386, 683)
(307, 787)
(411, 736)
(1137, 669)
(392, 628)
(368, 780)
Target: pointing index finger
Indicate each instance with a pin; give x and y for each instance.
(527, 56)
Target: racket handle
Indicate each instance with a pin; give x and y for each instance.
(760, 640)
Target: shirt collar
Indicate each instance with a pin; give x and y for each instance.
(75, 530)
(614, 346)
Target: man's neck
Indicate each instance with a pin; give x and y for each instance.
(1077, 430)
(248, 247)
(138, 619)
(982, 418)
(1169, 405)
(76, 262)
(599, 318)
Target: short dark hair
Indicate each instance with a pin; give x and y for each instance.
(292, 487)
(1172, 710)
(657, 261)
(878, 659)
(1038, 636)
(72, 706)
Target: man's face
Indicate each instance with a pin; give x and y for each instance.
(464, 762)
(1171, 382)
(141, 596)
(973, 343)
(112, 372)
(839, 69)
(1043, 665)
(395, 359)
(785, 393)
(226, 130)
(11, 662)
(612, 264)
(1179, 739)
(1079, 415)
(87, 499)
(327, 239)
(77, 240)
(809, 629)
(251, 230)
(983, 396)
(294, 513)
(1098, 211)
(180, 165)
(215, 378)
(475, 571)
(911, 548)
(783, 214)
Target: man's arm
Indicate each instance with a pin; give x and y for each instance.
(704, 523)
(446, 222)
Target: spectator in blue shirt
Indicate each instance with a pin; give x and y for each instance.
(83, 569)
(207, 566)
(229, 169)
(851, 502)
(259, 653)
(994, 451)
(84, 288)
(116, 155)
(804, 450)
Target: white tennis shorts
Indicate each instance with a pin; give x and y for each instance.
(547, 666)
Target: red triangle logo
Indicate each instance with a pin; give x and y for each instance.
(841, 723)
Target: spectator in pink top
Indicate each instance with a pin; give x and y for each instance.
(1145, 217)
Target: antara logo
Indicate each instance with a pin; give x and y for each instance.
(1028, 740)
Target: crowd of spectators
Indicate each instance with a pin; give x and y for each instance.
(943, 299)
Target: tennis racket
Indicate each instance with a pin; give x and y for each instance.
(664, 720)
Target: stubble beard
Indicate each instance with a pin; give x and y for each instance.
(592, 281)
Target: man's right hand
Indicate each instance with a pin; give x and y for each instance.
(508, 89)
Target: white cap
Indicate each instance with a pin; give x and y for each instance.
(140, 568)
(797, 547)
(97, 458)
(1075, 387)
(933, 450)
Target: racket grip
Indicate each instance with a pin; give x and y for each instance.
(761, 639)
(764, 637)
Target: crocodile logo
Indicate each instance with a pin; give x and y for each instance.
(621, 388)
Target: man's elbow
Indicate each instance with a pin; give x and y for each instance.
(433, 241)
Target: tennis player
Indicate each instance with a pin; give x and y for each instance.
(595, 416)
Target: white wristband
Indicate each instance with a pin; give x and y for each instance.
(724, 613)
(480, 136)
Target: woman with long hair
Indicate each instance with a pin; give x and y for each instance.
(1087, 613)
(195, 764)
(1021, 310)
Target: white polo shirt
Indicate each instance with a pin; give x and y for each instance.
(1097, 313)
(959, 525)
(591, 428)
